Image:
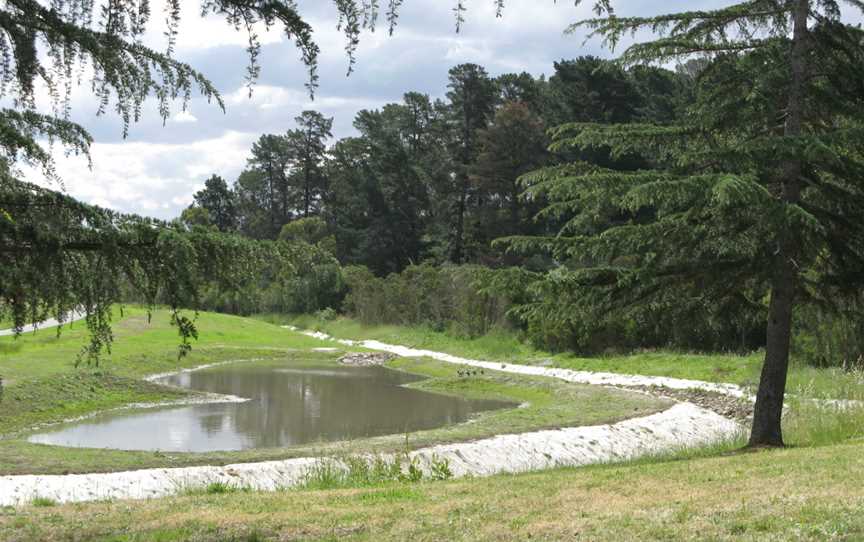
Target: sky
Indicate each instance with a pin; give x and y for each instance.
(155, 170)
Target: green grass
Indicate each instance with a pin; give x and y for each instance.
(69, 395)
(43, 502)
(46, 387)
(813, 491)
(143, 347)
(795, 494)
(502, 346)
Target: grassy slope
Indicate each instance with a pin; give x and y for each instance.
(45, 387)
(735, 369)
(795, 494)
(42, 384)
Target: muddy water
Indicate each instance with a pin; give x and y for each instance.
(289, 405)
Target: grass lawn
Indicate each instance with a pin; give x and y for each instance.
(43, 386)
(793, 494)
(728, 368)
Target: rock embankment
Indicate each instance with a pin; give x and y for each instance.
(734, 408)
(682, 425)
(366, 359)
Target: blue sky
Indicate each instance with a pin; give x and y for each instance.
(157, 168)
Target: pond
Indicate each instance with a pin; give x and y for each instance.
(289, 405)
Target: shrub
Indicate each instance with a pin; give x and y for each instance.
(832, 338)
(468, 301)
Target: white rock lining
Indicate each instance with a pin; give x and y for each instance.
(682, 425)
(577, 377)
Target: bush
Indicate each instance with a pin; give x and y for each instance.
(543, 308)
(467, 301)
(831, 338)
(299, 278)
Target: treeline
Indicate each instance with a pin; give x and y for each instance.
(471, 301)
(397, 224)
(436, 180)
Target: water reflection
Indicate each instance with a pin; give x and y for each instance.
(290, 405)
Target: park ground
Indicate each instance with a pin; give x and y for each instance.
(812, 491)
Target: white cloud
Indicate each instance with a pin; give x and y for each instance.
(275, 97)
(183, 117)
(151, 178)
(196, 32)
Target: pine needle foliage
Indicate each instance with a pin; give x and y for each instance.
(758, 190)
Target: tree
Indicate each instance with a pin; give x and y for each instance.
(219, 202)
(305, 147)
(378, 200)
(254, 205)
(522, 88)
(473, 96)
(196, 217)
(513, 144)
(271, 160)
(758, 187)
(590, 89)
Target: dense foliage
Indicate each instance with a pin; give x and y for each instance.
(437, 180)
(756, 193)
(466, 300)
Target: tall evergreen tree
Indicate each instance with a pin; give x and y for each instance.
(305, 147)
(219, 201)
(378, 200)
(759, 187)
(271, 158)
(473, 96)
(522, 88)
(590, 89)
(513, 144)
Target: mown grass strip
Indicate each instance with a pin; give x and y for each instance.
(794, 494)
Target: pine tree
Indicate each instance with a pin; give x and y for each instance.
(473, 96)
(219, 202)
(305, 147)
(760, 186)
(514, 143)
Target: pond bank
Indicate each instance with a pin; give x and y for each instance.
(682, 425)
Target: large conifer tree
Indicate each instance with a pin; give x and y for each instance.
(761, 186)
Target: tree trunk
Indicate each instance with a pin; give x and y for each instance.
(306, 190)
(767, 429)
(457, 254)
